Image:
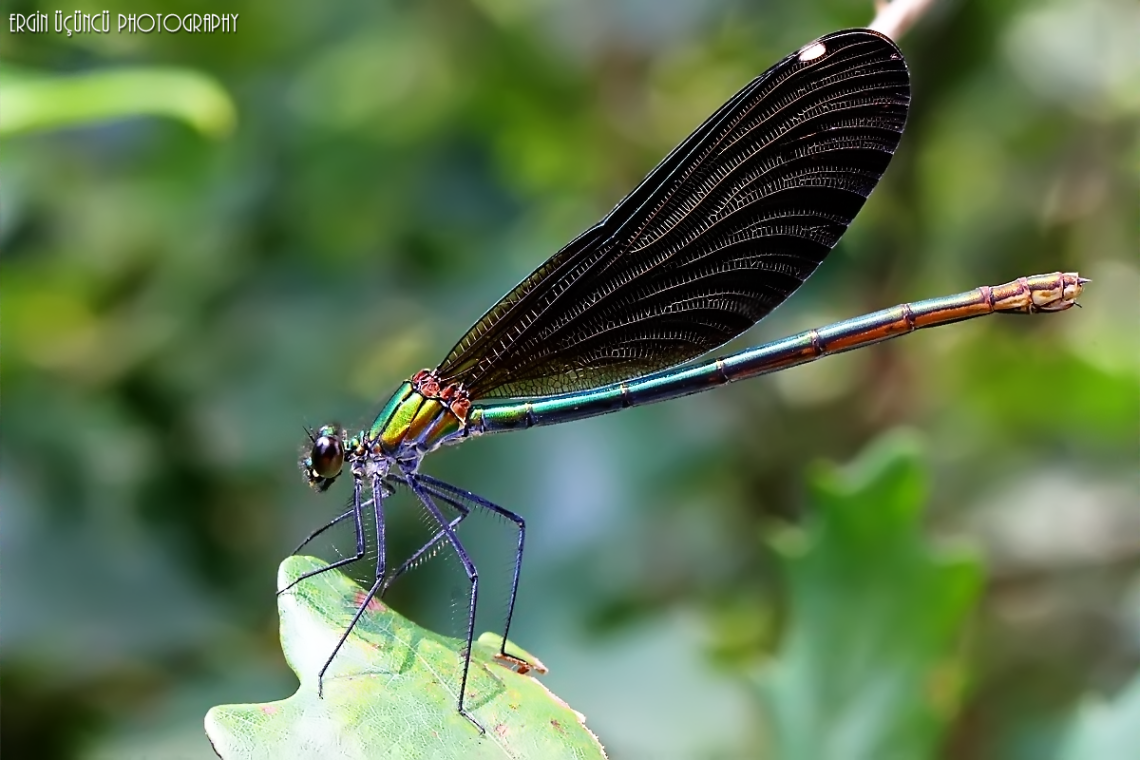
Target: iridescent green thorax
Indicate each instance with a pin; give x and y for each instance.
(420, 415)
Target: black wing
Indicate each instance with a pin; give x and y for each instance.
(718, 235)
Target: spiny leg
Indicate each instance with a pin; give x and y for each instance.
(426, 498)
(411, 561)
(347, 513)
(378, 514)
(452, 496)
(355, 511)
(378, 509)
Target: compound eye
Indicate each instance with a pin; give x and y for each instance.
(328, 454)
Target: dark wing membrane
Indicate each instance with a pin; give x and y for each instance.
(718, 235)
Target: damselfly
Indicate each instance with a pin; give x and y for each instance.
(721, 232)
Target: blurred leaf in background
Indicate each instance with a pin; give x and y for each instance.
(176, 306)
(34, 101)
(869, 667)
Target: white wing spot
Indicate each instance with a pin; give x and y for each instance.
(811, 52)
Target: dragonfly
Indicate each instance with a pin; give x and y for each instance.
(718, 235)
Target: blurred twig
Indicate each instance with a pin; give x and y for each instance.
(895, 18)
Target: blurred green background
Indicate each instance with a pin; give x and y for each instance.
(212, 240)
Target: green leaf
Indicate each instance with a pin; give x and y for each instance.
(867, 669)
(1106, 729)
(391, 691)
(33, 101)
